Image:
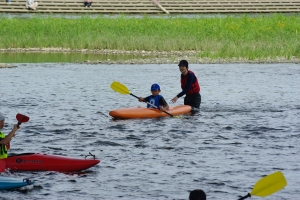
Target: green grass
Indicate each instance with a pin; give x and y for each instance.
(264, 36)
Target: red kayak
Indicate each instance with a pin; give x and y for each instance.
(44, 162)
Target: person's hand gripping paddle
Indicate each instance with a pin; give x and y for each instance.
(267, 185)
(122, 89)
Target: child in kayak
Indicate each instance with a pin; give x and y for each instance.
(4, 140)
(155, 99)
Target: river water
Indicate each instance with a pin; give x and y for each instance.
(248, 127)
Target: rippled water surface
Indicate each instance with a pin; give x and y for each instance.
(248, 127)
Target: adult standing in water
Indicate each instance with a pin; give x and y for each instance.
(190, 86)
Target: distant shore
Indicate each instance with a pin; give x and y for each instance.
(270, 38)
(159, 57)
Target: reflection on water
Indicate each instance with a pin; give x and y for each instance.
(13, 57)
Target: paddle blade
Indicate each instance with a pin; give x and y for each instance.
(269, 185)
(119, 87)
(22, 118)
(2, 165)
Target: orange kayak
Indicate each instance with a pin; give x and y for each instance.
(141, 112)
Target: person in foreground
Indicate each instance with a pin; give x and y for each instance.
(155, 99)
(4, 140)
(190, 86)
(197, 195)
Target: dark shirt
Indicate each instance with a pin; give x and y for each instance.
(191, 78)
(162, 101)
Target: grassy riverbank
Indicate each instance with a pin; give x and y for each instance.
(244, 37)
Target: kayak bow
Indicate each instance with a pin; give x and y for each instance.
(8, 183)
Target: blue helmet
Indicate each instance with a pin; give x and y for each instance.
(155, 87)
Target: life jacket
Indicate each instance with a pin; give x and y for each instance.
(154, 100)
(195, 86)
(3, 147)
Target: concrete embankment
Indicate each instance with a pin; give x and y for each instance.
(154, 6)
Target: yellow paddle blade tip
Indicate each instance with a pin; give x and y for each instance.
(177, 116)
(119, 87)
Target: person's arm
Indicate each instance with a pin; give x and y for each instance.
(190, 79)
(8, 137)
(141, 99)
(165, 105)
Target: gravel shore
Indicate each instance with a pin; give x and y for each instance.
(156, 57)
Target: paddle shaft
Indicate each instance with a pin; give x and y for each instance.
(245, 197)
(152, 105)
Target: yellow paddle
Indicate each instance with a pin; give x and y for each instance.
(122, 89)
(267, 185)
